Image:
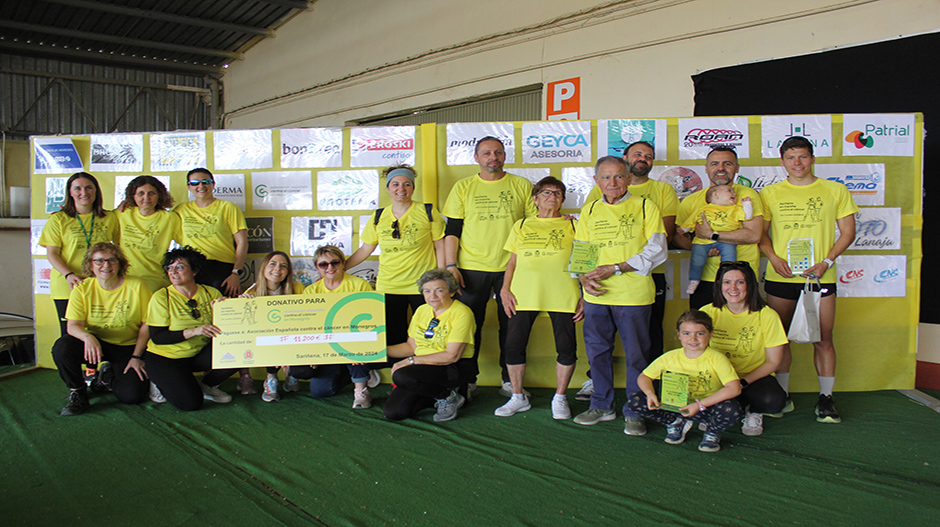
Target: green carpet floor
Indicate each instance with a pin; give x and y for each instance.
(306, 462)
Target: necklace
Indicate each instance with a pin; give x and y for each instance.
(89, 233)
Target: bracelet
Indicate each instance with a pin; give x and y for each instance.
(68, 274)
(701, 407)
(450, 265)
(829, 262)
(138, 357)
(411, 359)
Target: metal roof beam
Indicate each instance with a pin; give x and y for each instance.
(103, 80)
(293, 4)
(166, 17)
(109, 58)
(87, 35)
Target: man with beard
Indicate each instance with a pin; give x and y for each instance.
(721, 164)
(481, 211)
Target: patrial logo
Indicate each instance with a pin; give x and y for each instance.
(866, 139)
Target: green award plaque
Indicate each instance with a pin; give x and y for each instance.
(675, 391)
(583, 257)
(800, 255)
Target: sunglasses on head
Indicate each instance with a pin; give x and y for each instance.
(324, 265)
(196, 182)
(740, 264)
(192, 305)
(396, 233)
(429, 333)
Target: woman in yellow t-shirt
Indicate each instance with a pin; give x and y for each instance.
(147, 228)
(438, 357)
(107, 321)
(327, 380)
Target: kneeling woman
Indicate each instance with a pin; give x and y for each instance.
(107, 321)
(438, 356)
(181, 333)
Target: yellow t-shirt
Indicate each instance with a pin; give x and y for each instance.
(708, 373)
(744, 337)
(488, 210)
(73, 237)
(543, 248)
(211, 229)
(808, 211)
(749, 252)
(112, 316)
(622, 230)
(721, 218)
(456, 325)
(145, 240)
(662, 194)
(350, 284)
(404, 260)
(168, 309)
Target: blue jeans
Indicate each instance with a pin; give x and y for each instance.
(729, 253)
(601, 323)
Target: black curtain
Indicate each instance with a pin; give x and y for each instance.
(888, 77)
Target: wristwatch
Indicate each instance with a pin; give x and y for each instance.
(714, 236)
(617, 270)
(238, 272)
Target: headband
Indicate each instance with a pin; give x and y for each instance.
(401, 171)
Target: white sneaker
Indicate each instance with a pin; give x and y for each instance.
(693, 285)
(515, 404)
(753, 424)
(374, 379)
(269, 395)
(214, 394)
(361, 399)
(506, 390)
(587, 389)
(155, 394)
(291, 384)
(560, 408)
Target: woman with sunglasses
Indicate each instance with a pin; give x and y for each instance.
(750, 333)
(276, 278)
(147, 228)
(181, 333)
(438, 356)
(211, 225)
(327, 380)
(107, 321)
(411, 235)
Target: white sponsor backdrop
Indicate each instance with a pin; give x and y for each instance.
(877, 134)
(556, 142)
(381, 146)
(288, 190)
(699, 135)
(311, 148)
(347, 190)
(579, 181)
(177, 152)
(117, 153)
(56, 155)
(242, 149)
(775, 129)
(877, 229)
(42, 277)
(866, 181)
(230, 187)
(309, 232)
(872, 276)
(462, 140)
(615, 135)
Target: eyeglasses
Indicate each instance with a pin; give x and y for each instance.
(429, 333)
(324, 265)
(196, 182)
(740, 264)
(101, 261)
(396, 234)
(179, 268)
(549, 193)
(192, 305)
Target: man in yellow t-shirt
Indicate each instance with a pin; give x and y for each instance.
(481, 211)
(619, 291)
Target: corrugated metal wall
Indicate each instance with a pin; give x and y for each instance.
(26, 110)
(521, 106)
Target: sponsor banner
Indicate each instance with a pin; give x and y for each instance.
(230, 187)
(35, 231)
(556, 142)
(311, 148)
(615, 135)
(363, 221)
(348, 190)
(56, 155)
(117, 153)
(759, 177)
(289, 190)
(260, 235)
(42, 277)
(878, 134)
(872, 276)
(878, 229)
(177, 152)
(462, 141)
(579, 181)
(242, 149)
(55, 193)
(775, 129)
(307, 233)
(698, 136)
(534, 175)
(866, 182)
(685, 179)
(381, 146)
(121, 183)
(564, 100)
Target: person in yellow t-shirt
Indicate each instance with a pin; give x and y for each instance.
(536, 281)
(326, 380)
(724, 214)
(480, 209)
(805, 208)
(619, 292)
(437, 359)
(107, 321)
(713, 386)
(147, 228)
(411, 235)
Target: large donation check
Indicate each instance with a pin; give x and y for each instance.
(294, 330)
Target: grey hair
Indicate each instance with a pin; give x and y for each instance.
(439, 274)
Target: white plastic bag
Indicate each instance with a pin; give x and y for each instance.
(805, 325)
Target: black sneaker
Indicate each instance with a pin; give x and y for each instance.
(78, 403)
(102, 381)
(826, 410)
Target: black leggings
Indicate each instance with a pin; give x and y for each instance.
(764, 396)
(520, 327)
(175, 378)
(61, 306)
(396, 316)
(480, 286)
(215, 273)
(69, 354)
(417, 387)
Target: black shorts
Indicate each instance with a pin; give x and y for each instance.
(791, 291)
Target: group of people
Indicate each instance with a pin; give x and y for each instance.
(504, 238)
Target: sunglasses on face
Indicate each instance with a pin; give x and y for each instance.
(324, 265)
(429, 333)
(196, 182)
(396, 233)
(192, 305)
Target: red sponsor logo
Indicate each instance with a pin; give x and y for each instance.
(249, 355)
(706, 136)
(384, 144)
(853, 275)
(45, 274)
